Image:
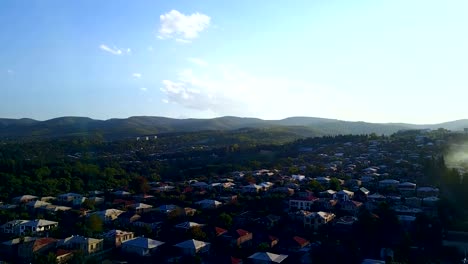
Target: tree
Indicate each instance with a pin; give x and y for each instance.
(315, 186)
(224, 220)
(335, 184)
(197, 233)
(94, 223)
(139, 184)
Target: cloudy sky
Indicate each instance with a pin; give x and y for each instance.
(376, 61)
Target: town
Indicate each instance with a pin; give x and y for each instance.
(336, 199)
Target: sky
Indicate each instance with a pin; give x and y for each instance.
(374, 61)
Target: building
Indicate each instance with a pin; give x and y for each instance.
(266, 258)
(192, 247)
(108, 215)
(141, 246)
(117, 237)
(316, 219)
(302, 203)
(209, 204)
(388, 184)
(87, 245)
(24, 227)
(70, 198)
(140, 208)
(24, 199)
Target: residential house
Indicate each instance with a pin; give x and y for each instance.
(424, 192)
(353, 184)
(325, 204)
(267, 258)
(299, 244)
(96, 193)
(168, 208)
(34, 205)
(209, 204)
(36, 226)
(327, 194)
(73, 199)
(192, 247)
(413, 202)
(24, 199)
(96, 200)
(343, 195)
(270, 220)
(189, 211)
(141, 246)
(388, 184)
(361, 195)
(117, 237)
(199, 185)
(128, 218)
(87, 245)
(220, 231)
(344, 224)
(298, 177)
(122, 194)
(108, 215)
(302, 203)
(316, 219)
(407, 188)
(228, 199)
(251, 188)
(9, 249)
(324, 181)
(351, 207)
(239, 237)
(23, 227)
(140, 208)
(12, 227)
(27, 250)
(63, 256)
(188, 225)
(53, 209)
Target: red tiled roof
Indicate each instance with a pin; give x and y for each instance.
(242, 232)
(235, 260)
(219, 231)
(61, 252)
(301, 241)
(41, 242)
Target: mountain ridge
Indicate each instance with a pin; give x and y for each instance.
(115, 128)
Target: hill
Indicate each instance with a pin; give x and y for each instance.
(149, 125)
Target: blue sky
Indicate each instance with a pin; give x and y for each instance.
(376, 61)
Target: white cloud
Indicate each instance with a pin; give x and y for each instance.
(136, 75)
(129, 51)
(114, 50)
(183, 28)
(198, 62)
(144, 89)
(227, 90)
(10, 72)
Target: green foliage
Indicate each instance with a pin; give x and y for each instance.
(94, 223)
(335, 184)
(224, 220)
(139, 184)
(197, 233)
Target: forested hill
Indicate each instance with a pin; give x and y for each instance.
(148, 125)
